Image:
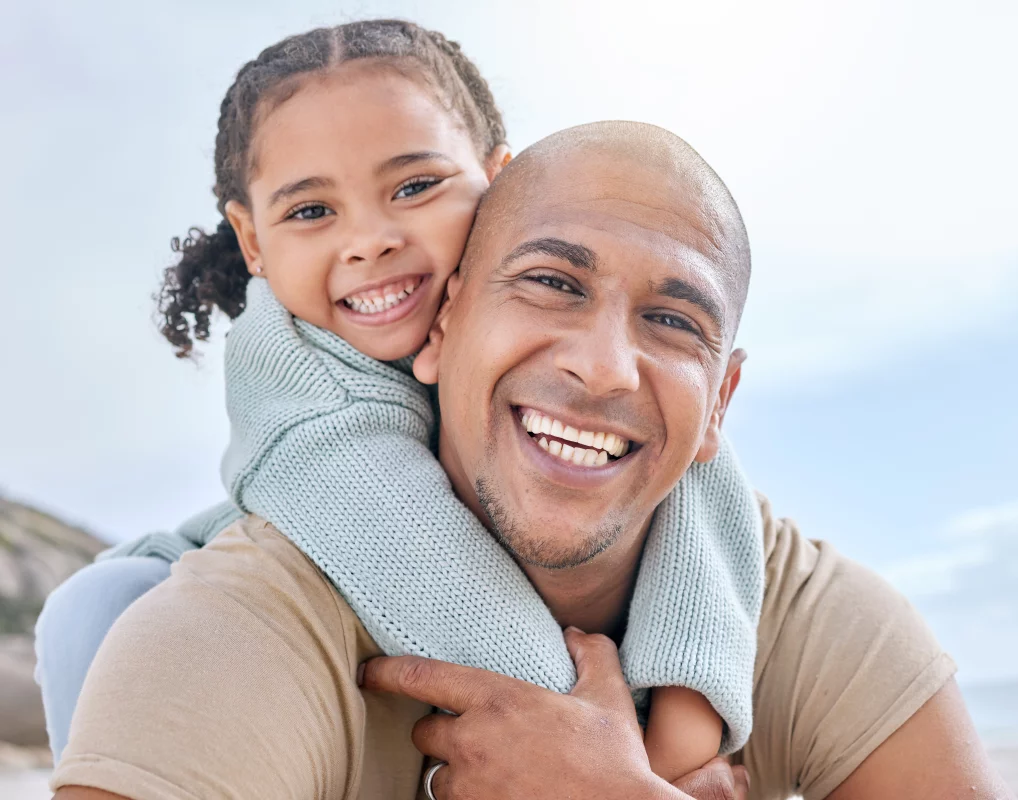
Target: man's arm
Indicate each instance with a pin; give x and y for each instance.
(935, 755)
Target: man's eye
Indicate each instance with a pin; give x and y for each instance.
(309, 212)
(672, 321)
(414, 186)
(553, 283)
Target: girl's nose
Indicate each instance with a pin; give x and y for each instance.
(371, 242)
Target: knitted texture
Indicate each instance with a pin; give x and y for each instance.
(332, 448)
(195, 532)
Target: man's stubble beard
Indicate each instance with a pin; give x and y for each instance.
(535, 553)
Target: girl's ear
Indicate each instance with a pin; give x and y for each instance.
(496, 160)
(243, 225)
(427, 362)
(712, 436)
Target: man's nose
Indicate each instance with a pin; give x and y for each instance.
(601, 355)
(370, 237)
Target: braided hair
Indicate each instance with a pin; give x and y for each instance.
(210, 272)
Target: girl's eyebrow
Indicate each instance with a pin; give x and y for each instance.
(405, 160)
(290, 189)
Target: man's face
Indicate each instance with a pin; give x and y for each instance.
(585, 362)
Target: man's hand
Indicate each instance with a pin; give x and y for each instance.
(512, 739)
(716, 780)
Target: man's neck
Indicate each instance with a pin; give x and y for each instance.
(593, 597)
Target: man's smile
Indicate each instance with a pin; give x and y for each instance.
(580, 447)
(568, 455)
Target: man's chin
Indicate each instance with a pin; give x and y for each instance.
(553, 556)
(566, 550)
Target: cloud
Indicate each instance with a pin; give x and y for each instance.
(968, 590)
(1001, 520)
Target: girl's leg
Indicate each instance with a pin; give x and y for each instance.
(73, 624)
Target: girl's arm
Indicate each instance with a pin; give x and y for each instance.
(683, 732)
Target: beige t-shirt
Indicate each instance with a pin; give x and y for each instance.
(236, 679)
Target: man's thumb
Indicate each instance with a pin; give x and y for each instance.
(716, 780)
(598, 671)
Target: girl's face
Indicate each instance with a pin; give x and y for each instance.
(362, 193)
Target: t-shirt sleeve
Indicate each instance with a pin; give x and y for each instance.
(232, 679)
(845, 660)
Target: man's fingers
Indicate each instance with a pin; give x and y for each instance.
(716, 780)
(432, 735)
(598, 670)
(437, 683)
(440, 783)
(741, 782)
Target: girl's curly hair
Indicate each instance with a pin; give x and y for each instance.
(211, 272)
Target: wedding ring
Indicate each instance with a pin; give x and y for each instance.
(429, 776)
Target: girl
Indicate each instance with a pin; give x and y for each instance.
(349, 164)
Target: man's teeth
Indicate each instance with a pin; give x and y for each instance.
(379, 300)
(598, 447)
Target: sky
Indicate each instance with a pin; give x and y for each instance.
(870, 147)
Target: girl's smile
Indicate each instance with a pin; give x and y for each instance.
(387, 302)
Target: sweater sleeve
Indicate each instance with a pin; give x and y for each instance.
(196, 532)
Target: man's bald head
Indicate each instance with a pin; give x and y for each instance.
(613, 159)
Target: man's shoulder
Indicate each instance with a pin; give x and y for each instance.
(843, 660)
(256, 566)
(791, 562)
(811, 585)
(245, 635)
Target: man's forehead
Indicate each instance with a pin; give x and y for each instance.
(617, 211)
(639, 201)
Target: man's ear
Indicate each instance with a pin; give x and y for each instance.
(427, 362)
(496, 160)
(243, 225)
(712, 436)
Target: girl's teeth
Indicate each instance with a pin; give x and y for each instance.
(375, 303)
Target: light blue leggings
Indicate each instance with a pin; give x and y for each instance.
(73, 624)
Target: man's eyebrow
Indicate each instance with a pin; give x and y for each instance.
(405, 160)
(678, 289)
(576, 254)
(290, 189)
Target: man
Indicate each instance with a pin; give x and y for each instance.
(603, 283)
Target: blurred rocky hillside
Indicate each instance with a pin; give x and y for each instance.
(37, 552)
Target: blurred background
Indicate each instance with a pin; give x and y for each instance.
(871, 147)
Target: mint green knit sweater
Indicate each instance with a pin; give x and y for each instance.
(332, 448)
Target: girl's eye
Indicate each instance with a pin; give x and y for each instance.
(309, 212)
(673, 321)
(553, 283)
(414, 186)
